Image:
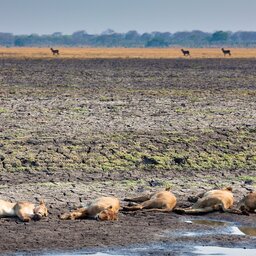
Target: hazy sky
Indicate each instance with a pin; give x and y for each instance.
(95, 16)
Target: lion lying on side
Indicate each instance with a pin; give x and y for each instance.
(163, 201)
(248, 203)
(25, 211)
(213, 200)
(103, 208)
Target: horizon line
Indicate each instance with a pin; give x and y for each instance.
(140, 33)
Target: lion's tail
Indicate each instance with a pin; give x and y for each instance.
(194, 211)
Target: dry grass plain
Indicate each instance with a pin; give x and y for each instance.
(150, 53)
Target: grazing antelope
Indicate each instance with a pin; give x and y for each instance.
(55, 51)
(185, 52)
(226, 52)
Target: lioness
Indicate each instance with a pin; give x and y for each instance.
(212, 200)
(162, 201)
(103, 208)
(25, 211)
(248, 203)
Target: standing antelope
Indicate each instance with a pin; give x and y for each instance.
(185, 52)
(226, 52)
(55, 51)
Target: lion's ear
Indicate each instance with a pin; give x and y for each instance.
(167, 189)
(229, 188)
(41, 202)
(110, 207)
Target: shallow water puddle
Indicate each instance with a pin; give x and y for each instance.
(250, 231)
(211, 223)
(97, 254)
(121, 251)
(80, 254)
(158, 249)
(224, 251)
(222, 227)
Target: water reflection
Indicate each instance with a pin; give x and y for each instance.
(228, 227)
(211, 223)
(250, 231)
(215, 250)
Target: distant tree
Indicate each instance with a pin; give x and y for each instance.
(57, 34)
(110, 38)
(190, 39)
(6, 39)
(79, 33)
(132, 39)
(19, 41)
(108, 32)
(156, 42)
(113, 40)
(80, 38)
(219, 36)
(146, 36)
(244, 38)
(164, 35)
(132, 35)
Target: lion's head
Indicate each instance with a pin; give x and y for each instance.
(107, 214)
(40, 211)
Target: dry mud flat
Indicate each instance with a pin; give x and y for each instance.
(72, 130)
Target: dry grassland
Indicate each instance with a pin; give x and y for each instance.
(156, 53)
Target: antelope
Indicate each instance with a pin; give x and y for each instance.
(55, 51)
(226, 52)
(185, 52)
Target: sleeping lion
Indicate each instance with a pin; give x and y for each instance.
(103, 208)
(213, 200)
(248, 203)
(162, 201)
(25, 211)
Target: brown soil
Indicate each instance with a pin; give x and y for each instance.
(72, 130)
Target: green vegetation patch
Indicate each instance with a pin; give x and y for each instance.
(129, 151)
(3, 110)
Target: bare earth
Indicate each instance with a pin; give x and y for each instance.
(73, 129)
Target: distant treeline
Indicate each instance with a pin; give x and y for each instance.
(132, 38)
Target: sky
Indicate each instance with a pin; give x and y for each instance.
(95, 16)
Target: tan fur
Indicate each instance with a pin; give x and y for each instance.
(212, 200)
(103, 208)
(248, 203)
(163, 201)
(25, 211)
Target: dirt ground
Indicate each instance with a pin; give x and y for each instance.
(72, 130)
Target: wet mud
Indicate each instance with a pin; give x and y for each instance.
(73, 130)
